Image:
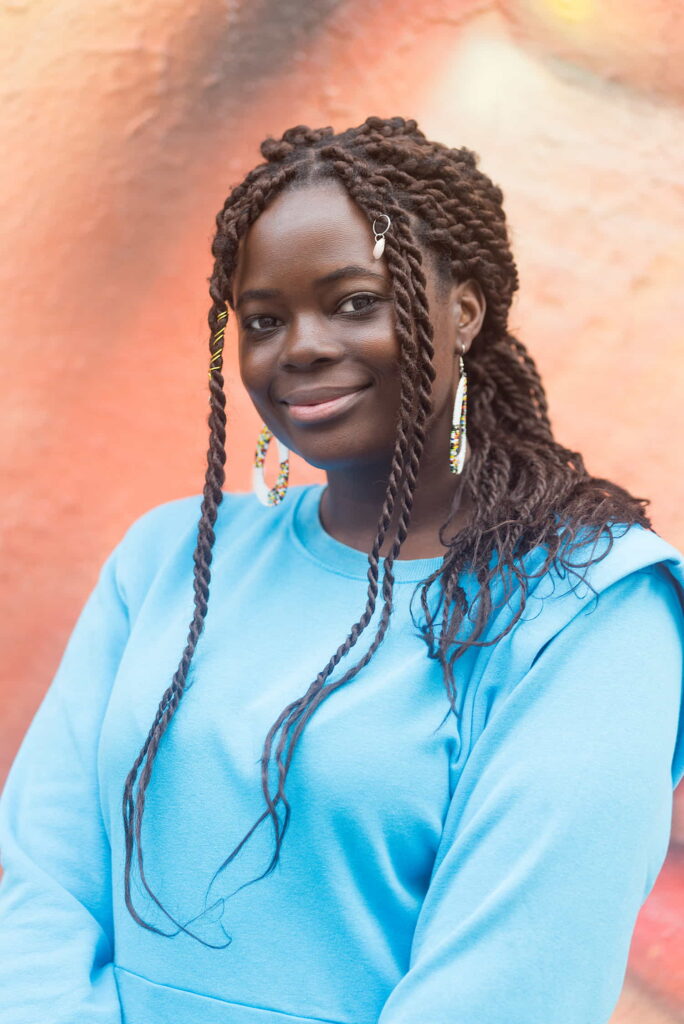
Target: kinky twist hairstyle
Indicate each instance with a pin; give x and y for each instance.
(522, 484)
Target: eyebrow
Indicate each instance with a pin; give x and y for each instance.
(335, 275)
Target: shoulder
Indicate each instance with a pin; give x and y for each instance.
(166, 522)
(168, 533)
(579, 626)
(598, 585)
(619, 561)
(624, 550)
(627, 616)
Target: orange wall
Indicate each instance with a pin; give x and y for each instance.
(126, 125)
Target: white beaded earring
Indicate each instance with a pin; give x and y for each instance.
(457, 449)
(275, 494)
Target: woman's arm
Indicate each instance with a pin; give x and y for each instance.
(56, 938)
(558, 826)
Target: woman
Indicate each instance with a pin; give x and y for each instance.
(375, 857)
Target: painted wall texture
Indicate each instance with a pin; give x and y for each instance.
(125, 126)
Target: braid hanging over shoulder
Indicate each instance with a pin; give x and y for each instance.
(520, 480)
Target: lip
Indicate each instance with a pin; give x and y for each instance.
(326, 393)
(325, 409)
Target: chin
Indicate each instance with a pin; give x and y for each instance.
(346, 460)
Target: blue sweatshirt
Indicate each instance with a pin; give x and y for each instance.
(485, 869)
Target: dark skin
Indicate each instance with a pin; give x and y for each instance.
(308, 336)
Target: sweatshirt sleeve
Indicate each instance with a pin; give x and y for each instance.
(558, 825)
(56, 939)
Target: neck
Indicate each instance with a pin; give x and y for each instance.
(353, 500)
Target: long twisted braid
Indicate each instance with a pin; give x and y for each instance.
(521, 482)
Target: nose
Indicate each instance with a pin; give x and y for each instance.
(310, 338)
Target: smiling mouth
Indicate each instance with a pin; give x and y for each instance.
(324, 410)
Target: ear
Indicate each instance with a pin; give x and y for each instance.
(468, 310)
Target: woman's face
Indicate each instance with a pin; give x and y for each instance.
(317, 349)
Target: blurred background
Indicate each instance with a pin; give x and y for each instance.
(125, 126)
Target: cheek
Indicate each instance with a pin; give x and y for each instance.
(379, 349)
(254, 366)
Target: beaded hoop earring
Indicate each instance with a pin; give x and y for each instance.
(275, 494)
(457, 449)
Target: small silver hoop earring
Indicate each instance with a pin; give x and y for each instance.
(379, 246)
(275, 494)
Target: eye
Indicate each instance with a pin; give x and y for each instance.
(249, 323)
(368, 298)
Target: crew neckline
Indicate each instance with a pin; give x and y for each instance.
(310, 535)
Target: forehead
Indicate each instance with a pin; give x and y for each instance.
(319, 223)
